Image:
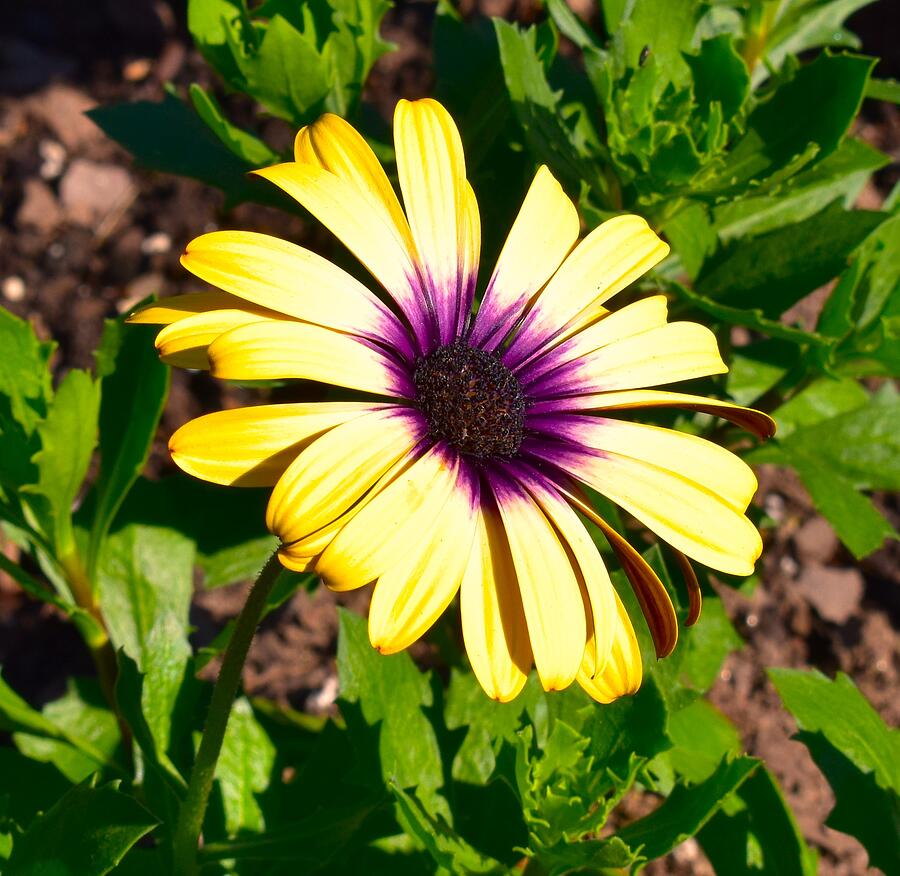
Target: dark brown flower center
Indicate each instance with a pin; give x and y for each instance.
(471, 400)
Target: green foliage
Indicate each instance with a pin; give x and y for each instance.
(703, 118)
(858, 753)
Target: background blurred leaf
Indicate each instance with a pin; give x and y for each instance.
(87, 833)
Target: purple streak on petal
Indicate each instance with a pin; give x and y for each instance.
(493, 322)
(529, 338)
(578, 429)
(567, 404)
(569, 378)
(421, 314)
(402, 385)
(545, 361)
(467, 281)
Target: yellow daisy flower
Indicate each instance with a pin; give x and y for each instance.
(463, 475)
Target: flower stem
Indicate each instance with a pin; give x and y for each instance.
(193, 807)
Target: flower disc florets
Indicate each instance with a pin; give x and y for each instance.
(471, 400)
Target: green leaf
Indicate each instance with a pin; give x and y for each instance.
(28, 785)
(862, 444)
(211, 22)
(821, 400)
(774, 271)
(807, 25)
(758, 367)
(145, 573)
(701, 737)
(449, 850)
(788, 130)
(25, 393)
(841, 175)
(667, 28)
(157, 702)
(842, 714)
(86, 833)
(134, 388)
(858, 524)
(87, 624)
(883, 89)
(686, 810)
(68, 436)
(244, 770)
(486, 722)
(750, 317)
(313, 840)
(77, 733)
(24, 374)
(550, 138)
(227, 526)
(391, 692)
(720, 75)
(286, 73)
(757, 834)
(858, 753)
(170, 137)
(245, 145)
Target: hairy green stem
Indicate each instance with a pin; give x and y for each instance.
(193, 808)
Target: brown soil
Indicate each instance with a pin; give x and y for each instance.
(69, 258)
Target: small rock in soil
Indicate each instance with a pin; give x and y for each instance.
(62, 109)
(54, 158)
(13, 288)
(39, 208)
(815, 541)
(90, 191)
(158, 243)
(834, 593)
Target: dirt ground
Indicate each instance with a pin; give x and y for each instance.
(84, 235)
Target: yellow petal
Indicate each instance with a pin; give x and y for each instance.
(384, 531)
(718, 470)
(252, 447)
(337, 469)
(411, 595)
(361, 224)
(757, 422)
(304, 553)
(432, 173)
(551, 596)
(611, 257)
(540, 238)
(175, 307)
(673, 352)
(592, 573)
(493, 621)
(286, 278)
(185, 343)
(336, 146)
(623, 671)
(277, 350)
(680, 511)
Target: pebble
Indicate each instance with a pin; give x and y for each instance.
(54, 155)
(62, 109)
(815, 541)
(834, 593)
(13, 288)
(157, 243)
(39, 208)
(89, 191)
